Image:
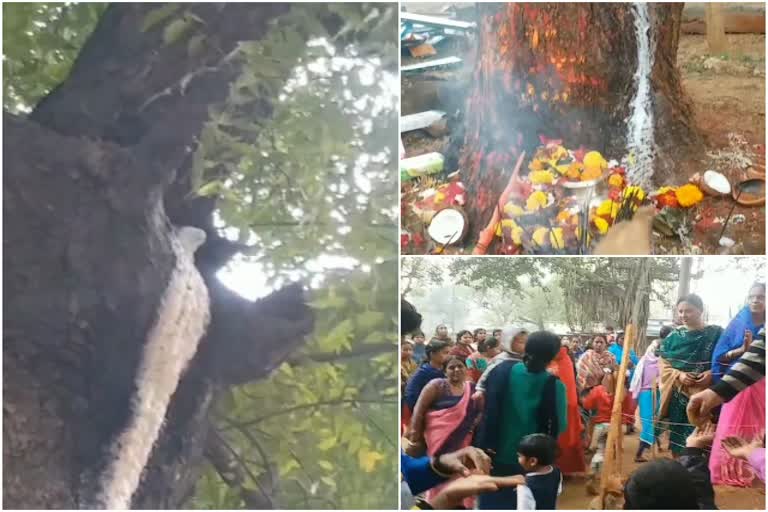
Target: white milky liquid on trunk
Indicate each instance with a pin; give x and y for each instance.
(640, 143)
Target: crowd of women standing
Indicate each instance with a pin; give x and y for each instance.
(493, 391)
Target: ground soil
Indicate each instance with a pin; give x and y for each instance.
(575, 496)
(729, 97)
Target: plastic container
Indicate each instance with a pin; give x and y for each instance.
(429, 163)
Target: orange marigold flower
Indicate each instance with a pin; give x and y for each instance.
(689, 195)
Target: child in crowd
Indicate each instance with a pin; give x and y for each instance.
(419, 347)
(543, 481)
(407, 365)
(600, 399)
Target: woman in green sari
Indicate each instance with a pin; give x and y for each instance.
(685, 365)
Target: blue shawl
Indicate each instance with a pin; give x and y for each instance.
(732, 338)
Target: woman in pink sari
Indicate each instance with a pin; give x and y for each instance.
(744, 416)
(445, 416)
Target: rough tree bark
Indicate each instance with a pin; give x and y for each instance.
(94, 180)
(565, 71)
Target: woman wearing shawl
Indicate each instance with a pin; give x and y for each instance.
(685, 366)
(744, 416)
(571, 459)
(463, 347)
(590, 369)
(593, 364)
(641, 387)
(445, 416)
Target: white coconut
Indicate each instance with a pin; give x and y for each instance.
(715, 183)
(447, 226)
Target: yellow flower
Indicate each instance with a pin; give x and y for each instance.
(689, 195)
(607, 208)
(563, 169)
(559, 153)
(616, 180)
(591, 173)
(594, 159)
(601, 224)
(536, 201)
(556, 238)
(540, 236)
(513, 210)
(541, 177)
(637, 191)
(536, 165)
(439, 197)
(517, 231)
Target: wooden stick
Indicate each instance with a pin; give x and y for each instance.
(654, 446)
(612, 460)
(486, 236)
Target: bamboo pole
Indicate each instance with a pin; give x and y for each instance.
(655, 444)
(613, 452)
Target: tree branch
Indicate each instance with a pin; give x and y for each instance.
(246, 339)
(324, 403)
(234, 471)
(366, 349)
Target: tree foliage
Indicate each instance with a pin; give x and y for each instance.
(40, 43)
(311, 190)
(591, 290)
(418, 273)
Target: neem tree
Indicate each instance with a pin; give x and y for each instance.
(123, 122)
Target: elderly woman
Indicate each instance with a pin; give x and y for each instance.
(743, 416)
(685, 366)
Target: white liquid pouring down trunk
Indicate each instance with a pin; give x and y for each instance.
(640, 140)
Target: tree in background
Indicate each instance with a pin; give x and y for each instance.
(270, 127)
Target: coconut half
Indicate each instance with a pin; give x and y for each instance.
(712, 183)
(448, 226)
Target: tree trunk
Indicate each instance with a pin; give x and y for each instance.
(566, 71)
(93, 182)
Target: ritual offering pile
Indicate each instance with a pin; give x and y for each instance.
(562, 202)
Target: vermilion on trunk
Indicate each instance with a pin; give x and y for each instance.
(564, 71)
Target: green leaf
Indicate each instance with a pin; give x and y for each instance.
(177, 29)
(156, 16)
(327, 444)
(325, 465)
(196, 44)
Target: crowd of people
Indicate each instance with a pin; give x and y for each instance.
(539, 407)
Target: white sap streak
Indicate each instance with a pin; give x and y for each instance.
(640, 140)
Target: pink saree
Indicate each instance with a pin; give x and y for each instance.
(743, 416)
(441, 425)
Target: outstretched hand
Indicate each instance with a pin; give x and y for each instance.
(740, 448)
(456, 491)
(464, 462)
(701, 405)
(701, 437)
